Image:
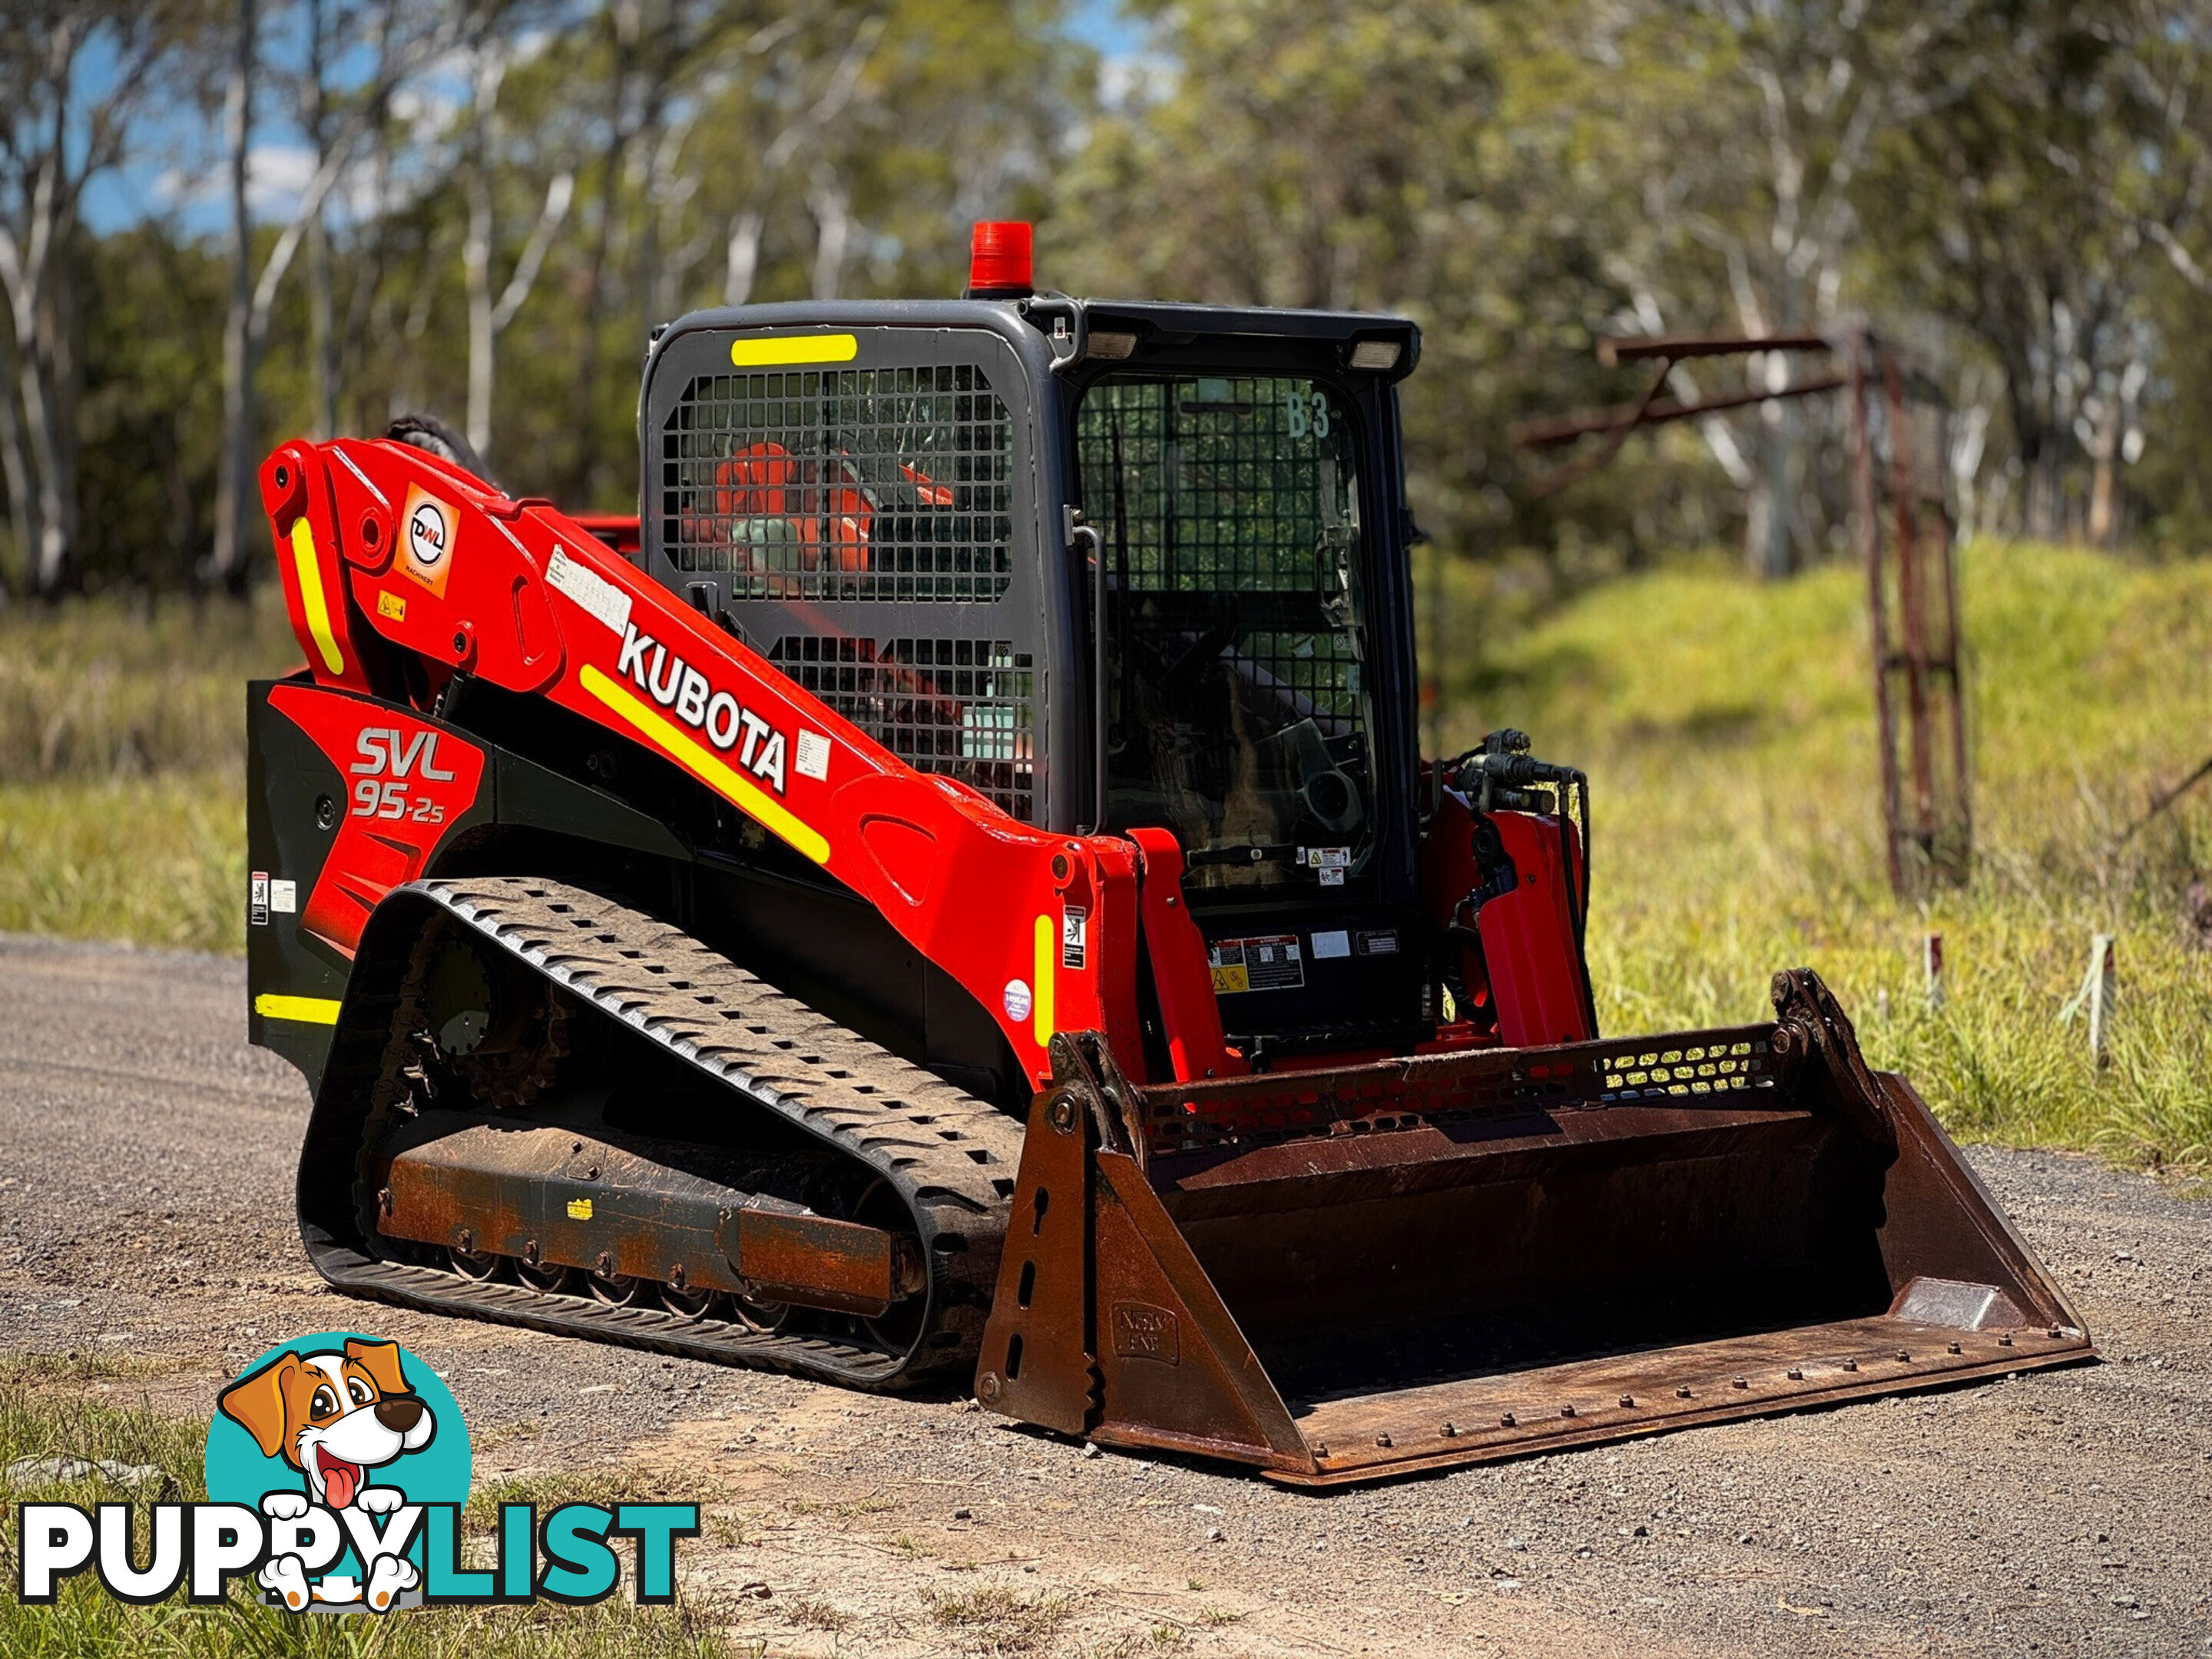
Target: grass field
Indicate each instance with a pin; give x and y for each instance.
(123, 767)
(1728, 731)
(1728, 728)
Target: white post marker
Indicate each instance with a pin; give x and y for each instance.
(2100, 994)
(2103, 981)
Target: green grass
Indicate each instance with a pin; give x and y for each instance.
(96, 689)
(1728, 731)
(158, 859)
(45, 1412)
(123, 767)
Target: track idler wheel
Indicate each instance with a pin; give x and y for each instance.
(549, 1276)
(898, 1326)
(755, 1314)
(482, 1266)
(693, 1303)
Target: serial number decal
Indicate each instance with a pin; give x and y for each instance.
(598, 596)
(718, 716)
(1272, 963)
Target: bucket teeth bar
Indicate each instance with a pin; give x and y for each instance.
(1339, 1275)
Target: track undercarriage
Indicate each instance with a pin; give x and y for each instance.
(546, 1108)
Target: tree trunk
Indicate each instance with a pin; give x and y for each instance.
(236, 463)
(2043, 492)
(833, 220)
(585, 470)
(645, 255)
(475, 269)
(15, 474)
(50, 559)
(64, 389)
(322, 339)
(586, 465)
(1771, 542)
(322, 346)
(744, 256)
(2103, 480)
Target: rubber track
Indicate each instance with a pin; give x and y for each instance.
(951, 1156)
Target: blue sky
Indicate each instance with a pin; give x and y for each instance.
(179, 168)
(1103, 24)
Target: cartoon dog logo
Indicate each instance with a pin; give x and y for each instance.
(335, 1417)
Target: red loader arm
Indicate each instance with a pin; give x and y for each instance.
(388, 554)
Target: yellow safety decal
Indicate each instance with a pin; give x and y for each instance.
(1048, 960)
(311, 1010)
(674, 739)
(311, 595)
(392, 606)
(579, 1209)
(784, 349)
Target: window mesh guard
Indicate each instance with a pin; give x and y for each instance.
(958, 708)
(868, 483)
(1235, 513)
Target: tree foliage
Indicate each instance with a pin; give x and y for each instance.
(513, 193)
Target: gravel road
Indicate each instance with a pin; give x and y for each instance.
(145, 1211)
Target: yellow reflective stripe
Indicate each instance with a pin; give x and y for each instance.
(314, 1011)
(755, 801)
(311, 596)
(794, 348)
(1048, 960)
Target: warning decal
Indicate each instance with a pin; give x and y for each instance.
(1268, 963)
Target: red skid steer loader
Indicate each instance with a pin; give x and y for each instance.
(948, 895)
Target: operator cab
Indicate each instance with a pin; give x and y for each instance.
(1112, 565)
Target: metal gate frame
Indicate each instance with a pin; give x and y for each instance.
(1907, 540)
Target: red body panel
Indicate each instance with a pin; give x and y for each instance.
(1528, 977)
(408, 784)
(295, 490)
(1529, 938)
(1189, 1012)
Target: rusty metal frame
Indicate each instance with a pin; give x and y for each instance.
(1916, 653)
(1907, 541)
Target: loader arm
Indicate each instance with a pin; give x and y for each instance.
(389, 557)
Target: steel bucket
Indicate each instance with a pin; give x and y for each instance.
(1345, 1274)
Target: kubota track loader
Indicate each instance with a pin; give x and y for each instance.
(950, 894)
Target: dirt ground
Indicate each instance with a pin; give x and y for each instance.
(145, 1211)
